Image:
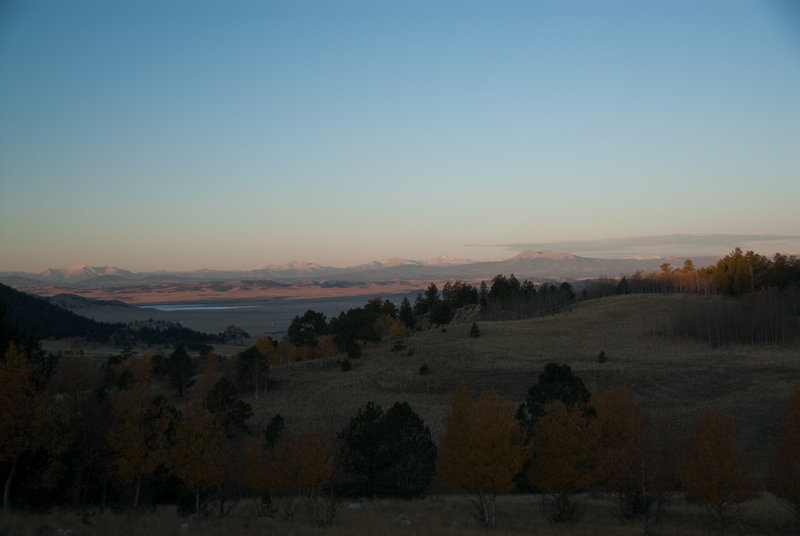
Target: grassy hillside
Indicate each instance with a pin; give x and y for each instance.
(671, 377)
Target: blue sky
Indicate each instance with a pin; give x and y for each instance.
(183, 135)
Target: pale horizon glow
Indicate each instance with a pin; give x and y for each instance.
(235, 135)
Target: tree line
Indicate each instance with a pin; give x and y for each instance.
(737, 273)
(312, 335)
(749, 298)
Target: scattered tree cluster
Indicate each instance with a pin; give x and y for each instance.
(510, 299)
(564, 440)
(506, 298)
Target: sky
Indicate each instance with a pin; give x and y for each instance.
(185, 134)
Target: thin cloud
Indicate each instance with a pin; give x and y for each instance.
(664, 245)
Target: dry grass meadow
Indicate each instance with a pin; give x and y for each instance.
(672, 378)
(447, 515)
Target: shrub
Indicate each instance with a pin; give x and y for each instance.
(474, 331)
(424, 369)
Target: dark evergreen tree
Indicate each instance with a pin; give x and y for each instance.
(180, 369)
(304, 330)
(412, 449)
(387, 454)
(474, 331)
(363, 454)
(406, 314)
(251, 370)
(231, 412)
(483, 294)
(274, 430)
(441, 313)
(557, 382)
(425, 303)
(459, 294)
(357, 325)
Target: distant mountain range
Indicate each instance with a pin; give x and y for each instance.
(528, 264)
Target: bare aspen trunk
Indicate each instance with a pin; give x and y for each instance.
(646, 521)
(103, 493)
(7, 488)
(76, 492)
(255, 380)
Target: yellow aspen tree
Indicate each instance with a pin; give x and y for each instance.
(325, 346)
(665, 452)
(258, 477)
(481, 449)
(786, 475)
(622, 464)
(268, 350)
(23, 415)
(564, 440)
(386, 324)
(397, 330)
(300, 466)
(82, 416)
(302, 353)
(717, 474)
(287, 351)
(139, 432)
(196, 453)
(213, 370)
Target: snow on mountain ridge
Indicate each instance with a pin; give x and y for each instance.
(81, 272)
(385, 263)
(525, 261)
(299, 266)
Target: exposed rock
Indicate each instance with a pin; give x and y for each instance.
(467, 314)
(234, 334)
